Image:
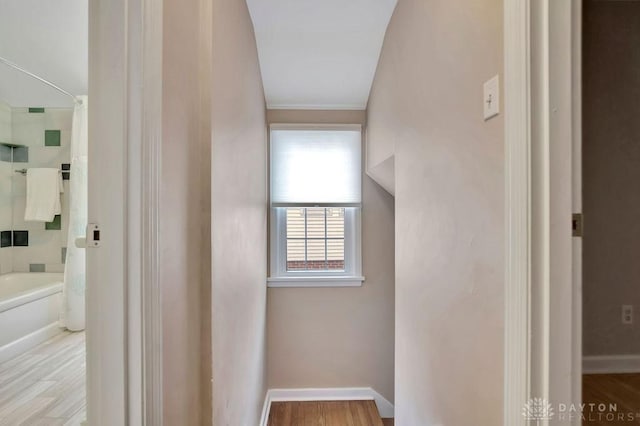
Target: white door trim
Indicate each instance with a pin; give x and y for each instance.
(107, 390)
(542, 293)
(576, 25)
(150, 178)
(124, 358)
(517, 98)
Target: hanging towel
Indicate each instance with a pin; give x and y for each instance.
(43, 195)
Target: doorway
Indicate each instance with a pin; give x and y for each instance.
(611, 205)
(43, 211)
(121, 324)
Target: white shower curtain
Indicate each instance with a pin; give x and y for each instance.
(75, 267)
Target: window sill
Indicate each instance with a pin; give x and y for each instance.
(292, 282)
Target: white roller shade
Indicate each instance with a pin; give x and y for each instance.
(316, 167)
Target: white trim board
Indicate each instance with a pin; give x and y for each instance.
(106, 299)
(518, 187)
(24, 343)
(385, 408)
(611, 364)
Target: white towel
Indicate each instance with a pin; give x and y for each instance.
(43, 195)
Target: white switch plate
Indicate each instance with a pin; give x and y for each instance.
(492, 97)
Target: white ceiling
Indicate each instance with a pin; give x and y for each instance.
(48, 38)
(319, 54)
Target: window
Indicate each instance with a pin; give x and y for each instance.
(315, 206)
(315, 238)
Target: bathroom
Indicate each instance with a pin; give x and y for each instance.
(43, 211)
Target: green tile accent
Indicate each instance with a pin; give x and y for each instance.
(21, 238)
(5, 239)
(5, 153)
(56, 225)
(36, 267)
(52, 138)
(37, 110)
(21, 154)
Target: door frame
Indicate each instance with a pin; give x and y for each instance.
(543, 299)
(124, 345)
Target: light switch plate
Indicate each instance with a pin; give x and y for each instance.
(492, 98)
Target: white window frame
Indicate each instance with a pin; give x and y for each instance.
(351, 276)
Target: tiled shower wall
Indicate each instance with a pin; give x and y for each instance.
(6, 212)
(44, 136)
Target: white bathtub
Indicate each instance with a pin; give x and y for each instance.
(30, 305)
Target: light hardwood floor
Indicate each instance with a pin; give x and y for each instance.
(324, 413)
(46, 385)
(623, 390)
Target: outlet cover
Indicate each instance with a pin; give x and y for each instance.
(627, 314)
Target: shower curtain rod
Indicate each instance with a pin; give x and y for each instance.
(32, 75)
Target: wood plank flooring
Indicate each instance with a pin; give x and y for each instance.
(324, 413)
(46, 385)
(623, 390)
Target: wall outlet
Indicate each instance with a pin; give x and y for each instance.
(627, 314)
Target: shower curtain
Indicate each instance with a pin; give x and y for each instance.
(73, 317)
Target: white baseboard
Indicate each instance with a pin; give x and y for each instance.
(23, 344)
(385, 408)
(611, 364)
(266, 408)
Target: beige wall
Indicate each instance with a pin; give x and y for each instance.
(611, 172)
(239, 219)
(316, 116)
(427, 102)
(338, 337)
(183, 223)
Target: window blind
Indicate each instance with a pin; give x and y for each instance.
(316, 168)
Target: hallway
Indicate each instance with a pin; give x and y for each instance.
(326, 413)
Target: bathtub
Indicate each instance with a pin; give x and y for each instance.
(30, 306)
